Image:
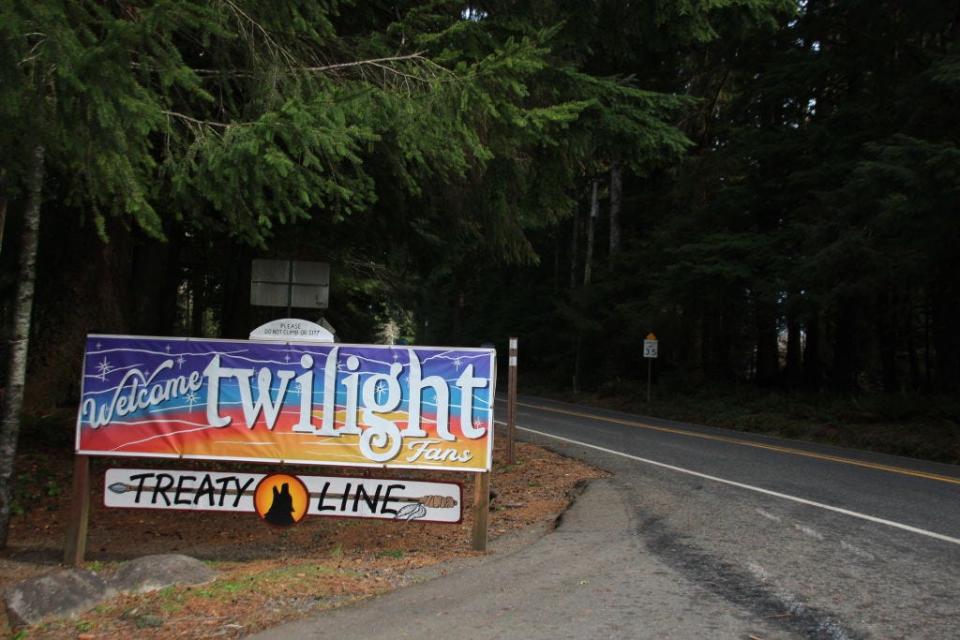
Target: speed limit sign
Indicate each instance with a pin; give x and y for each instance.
(650, 346)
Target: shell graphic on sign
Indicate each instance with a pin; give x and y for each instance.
(281, 499)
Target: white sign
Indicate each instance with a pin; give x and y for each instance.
(386, 499)
(190, 490)
(650, 348)
(292, 329)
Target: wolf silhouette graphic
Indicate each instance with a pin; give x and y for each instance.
(281, 510)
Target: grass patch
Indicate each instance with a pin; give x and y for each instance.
(224, 587)
(289, 576)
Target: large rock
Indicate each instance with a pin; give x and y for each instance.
(151, 573)
(62, 593)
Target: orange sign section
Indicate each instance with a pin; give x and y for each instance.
(281, 499)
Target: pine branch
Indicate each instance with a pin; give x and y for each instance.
(376, 62)
(271, 43)
(202, 123)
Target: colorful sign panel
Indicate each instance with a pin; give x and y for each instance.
(329, 404)
(284, 499)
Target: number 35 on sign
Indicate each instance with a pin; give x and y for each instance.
(650, 346)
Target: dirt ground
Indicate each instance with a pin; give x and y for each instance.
(267, 575)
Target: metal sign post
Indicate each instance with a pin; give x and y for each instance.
(512, 401)
(650, 348)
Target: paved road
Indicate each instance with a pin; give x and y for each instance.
(905, 491)
(702, 533)
(590, 578)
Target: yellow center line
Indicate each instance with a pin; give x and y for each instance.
(757, 445)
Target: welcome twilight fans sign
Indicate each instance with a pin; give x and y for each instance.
(330, 404)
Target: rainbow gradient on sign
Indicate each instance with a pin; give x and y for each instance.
(324, 404)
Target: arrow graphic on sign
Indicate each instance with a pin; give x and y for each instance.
(434, 502)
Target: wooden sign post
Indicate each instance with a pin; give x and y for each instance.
(76, 543)
(481, 510)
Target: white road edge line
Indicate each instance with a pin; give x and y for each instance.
(750, 487)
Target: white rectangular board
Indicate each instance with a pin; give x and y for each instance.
(650, 348)
(330, 496)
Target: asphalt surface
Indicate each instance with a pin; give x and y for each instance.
(889, 487)
(701, 533)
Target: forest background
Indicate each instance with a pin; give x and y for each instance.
(771, 186)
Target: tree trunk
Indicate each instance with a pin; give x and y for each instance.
(576, 363)
(616, 198)
(591, 223)
(727, 319)
(791, 372)
(887, 336)
(845, 365)
(556, 261)
(912, 348)
(19, 341)
(236, 320)
(812, 368)
(152, 296)
(946, 343)
(3, 214)
(707, 344)
(458, 314)
(197, 304)
(574, 242)
(768, 360)
(927, 358)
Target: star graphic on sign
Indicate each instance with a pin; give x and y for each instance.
(98, 345)
(191, 399)
(168, 348)
(457, 363)
(379, 389)
(181, 360)
(104, 368)
(395, 357)
(287, 357)
(478, 423)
